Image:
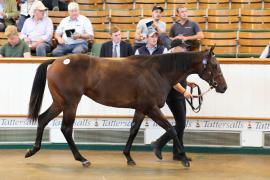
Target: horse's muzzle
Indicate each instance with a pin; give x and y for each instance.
(221, 89)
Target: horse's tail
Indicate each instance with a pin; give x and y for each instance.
(38, 90)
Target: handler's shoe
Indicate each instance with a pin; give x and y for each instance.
(156, 149)
(177, 157)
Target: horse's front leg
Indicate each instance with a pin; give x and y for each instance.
(135, 126)
(156, 115)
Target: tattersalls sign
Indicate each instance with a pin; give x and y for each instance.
(148, 123)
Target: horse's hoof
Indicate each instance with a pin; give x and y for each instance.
(86, 163)
(185, 163)
(156, 150)
(28, 153)
(131, 163)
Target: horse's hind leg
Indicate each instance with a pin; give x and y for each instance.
(43, 120)
(135, 126)
(67, 129)
(156, 115)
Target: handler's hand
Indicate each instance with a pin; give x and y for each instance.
(187, 95)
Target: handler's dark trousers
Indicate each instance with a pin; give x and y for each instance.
(177, 105)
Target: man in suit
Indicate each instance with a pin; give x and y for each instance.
(116, 47)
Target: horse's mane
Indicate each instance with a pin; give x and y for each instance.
(168, 62)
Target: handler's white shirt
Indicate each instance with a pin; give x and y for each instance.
(82, 25)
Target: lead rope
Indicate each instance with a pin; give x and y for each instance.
(199, 97)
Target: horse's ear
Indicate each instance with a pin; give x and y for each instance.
(212, 48)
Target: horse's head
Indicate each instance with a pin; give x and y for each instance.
(211, 72)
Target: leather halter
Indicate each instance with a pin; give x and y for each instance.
(212, 84)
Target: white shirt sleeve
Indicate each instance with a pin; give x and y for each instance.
(49, 31)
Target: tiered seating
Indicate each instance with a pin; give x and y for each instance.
(198, 16)
(214, 4)
(255, 19)
(125, 23)
(125, 13)
(246, 4)
(190, 4)
(90, 5)
(266, 4)
(119, 4)
(148, 4)
(226, 42)
(124, 19)
(253, 42)
(223, 19)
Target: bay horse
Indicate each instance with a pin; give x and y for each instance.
(139, 82)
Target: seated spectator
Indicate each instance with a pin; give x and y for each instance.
(56, 5)
(184, 29)
(116, 47)
(73, 33)
(37, 31)
(152, 47)
(14, 47)
(25, 13)
(265, 53)
(8, 13)
(145, 25)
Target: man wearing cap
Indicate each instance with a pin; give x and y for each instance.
(152, 47)
(177, 104)
(145, 25)
(37, 31)
(73, 32)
